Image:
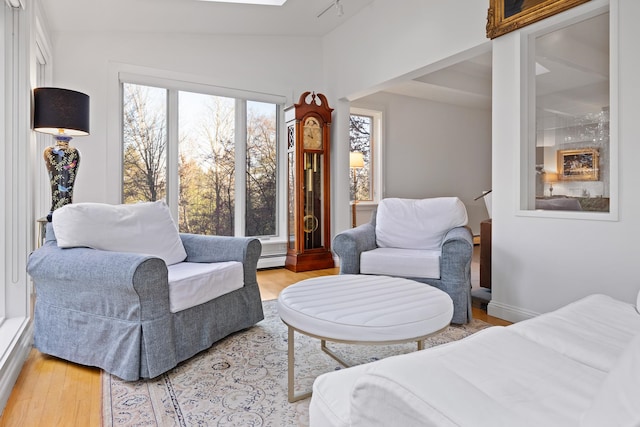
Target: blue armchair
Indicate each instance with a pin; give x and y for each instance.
(112, 309)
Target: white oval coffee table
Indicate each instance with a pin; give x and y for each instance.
(361, 309)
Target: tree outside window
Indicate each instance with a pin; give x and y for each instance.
(361, 141)
(144, 134)
(207, 163)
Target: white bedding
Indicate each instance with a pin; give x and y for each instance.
(594, 330)
(489, 379)
(553, 370)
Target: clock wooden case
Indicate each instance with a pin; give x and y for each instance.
(308, 165)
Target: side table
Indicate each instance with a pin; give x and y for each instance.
(42, 231)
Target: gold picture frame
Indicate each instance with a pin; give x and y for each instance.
(521, 13)
(579, 165)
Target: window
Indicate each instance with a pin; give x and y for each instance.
(262, 169)
(225, 159)
(364, 138)
(144, 136)
(570, 144)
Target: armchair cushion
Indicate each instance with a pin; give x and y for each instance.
(417, 223)
(144, 228)
(194, 283)
(401, 262)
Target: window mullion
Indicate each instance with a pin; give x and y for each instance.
(173, 176)
(241, 166)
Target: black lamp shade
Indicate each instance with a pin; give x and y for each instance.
(56, 109)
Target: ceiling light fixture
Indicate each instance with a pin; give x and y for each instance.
(15, 4)
(337, 5)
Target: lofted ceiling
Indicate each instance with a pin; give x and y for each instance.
(467, 83)
(294, 18)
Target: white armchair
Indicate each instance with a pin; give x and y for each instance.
(422, 239)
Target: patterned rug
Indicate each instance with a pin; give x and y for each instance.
(242, 379)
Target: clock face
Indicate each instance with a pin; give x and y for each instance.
(312, 134)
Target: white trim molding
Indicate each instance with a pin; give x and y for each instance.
(18, 333)
(508, 312)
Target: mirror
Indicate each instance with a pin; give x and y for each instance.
(572, 147)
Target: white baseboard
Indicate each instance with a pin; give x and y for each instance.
(278, 261)
(509, 312)
(270, 262)
(14, 358)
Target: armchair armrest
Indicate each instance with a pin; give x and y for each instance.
(455, 263)
(127, 286)
(349, 244)
(202, 248)
(461, 234)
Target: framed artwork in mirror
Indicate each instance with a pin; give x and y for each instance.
(508, 15)
(578, 165)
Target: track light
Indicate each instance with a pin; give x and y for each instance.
(338, 6)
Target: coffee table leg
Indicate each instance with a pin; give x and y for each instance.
(291, 371)
(420, 345)
(323, 346)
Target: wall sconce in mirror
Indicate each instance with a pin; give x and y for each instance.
(550, 178)
(356, 161)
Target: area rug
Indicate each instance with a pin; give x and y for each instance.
(242, 380)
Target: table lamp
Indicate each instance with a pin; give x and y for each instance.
(64, 114)
(356, 161)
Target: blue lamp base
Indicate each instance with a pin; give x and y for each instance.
(62, 163)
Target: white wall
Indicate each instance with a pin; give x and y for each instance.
(540, 264)
(282, 66)
(432, 149)
(85, 62)
(395, 38)
(394, 41)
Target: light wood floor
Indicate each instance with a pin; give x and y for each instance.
(52, 392)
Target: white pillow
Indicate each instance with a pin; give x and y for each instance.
(616, 402)
(145, 228)
(417, 223)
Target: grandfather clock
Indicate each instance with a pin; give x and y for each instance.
(308, 125)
